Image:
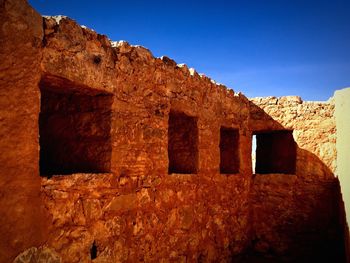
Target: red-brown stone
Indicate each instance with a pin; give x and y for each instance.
(112, 155)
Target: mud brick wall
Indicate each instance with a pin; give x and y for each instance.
(298, 213)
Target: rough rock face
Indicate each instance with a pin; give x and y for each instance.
(169, 220)
(21, 207)
(113, 155)
(38, 255)
(298, 213)
(143, 210)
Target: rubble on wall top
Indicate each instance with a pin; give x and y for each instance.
(290, 99)
(272, 100)
(125, 47)
(123, 42)
(119, 43)
(168, 61)
(85, 27)
(192, 71)
(57, 18)
(216, 83)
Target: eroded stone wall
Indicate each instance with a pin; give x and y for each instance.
(142, 210)
(298, 213)
(119, 104)
(21, 208)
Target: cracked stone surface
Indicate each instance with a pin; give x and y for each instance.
(85, 147)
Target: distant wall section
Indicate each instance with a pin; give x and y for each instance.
(301, 207)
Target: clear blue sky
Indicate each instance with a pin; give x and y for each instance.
(258, 47)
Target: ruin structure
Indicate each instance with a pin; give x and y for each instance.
(109, 154)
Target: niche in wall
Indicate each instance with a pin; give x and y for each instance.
(229, 150)
(275, 152)
(74, 128)
(182, 143)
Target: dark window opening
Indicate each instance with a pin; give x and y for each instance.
(93, 251)
(229, 151)
(182, 143)
(275, 152)
(74, 132)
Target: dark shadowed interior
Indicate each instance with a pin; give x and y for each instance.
(182, 143)
(275, 152)
(74, 132)
(229, 150)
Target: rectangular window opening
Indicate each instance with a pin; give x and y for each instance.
(182, 143)
(74, 132)
(275, 152)
(229, 151)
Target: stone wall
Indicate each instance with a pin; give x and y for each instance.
(164, 198)
(297, 214)
(21, 208)
(132, 163)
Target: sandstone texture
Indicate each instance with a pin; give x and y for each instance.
(299, 213)
(39, 255)
(151, 206)
(110, 154)
(21, 35)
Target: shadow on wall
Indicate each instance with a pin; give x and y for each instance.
(344, 224)
(296, 216)
(73, 122)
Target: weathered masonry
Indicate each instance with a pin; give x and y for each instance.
(112, 155)
(74, 131)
